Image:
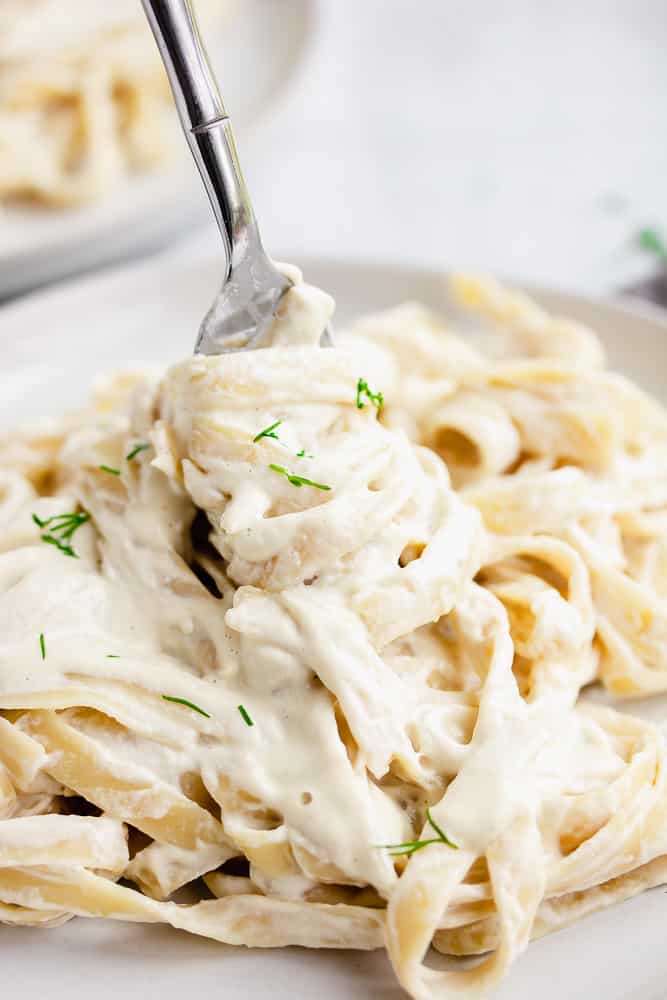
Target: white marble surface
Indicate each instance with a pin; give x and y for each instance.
(525, 137)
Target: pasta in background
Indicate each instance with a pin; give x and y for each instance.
(81, 81)
(256, 630)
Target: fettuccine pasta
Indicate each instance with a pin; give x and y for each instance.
(84, 101)
(307, 630)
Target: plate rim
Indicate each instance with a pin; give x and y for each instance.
(172, 260)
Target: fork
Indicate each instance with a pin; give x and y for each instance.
(252, 286)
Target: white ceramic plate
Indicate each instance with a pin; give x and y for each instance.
(254, 56)
(50, 347)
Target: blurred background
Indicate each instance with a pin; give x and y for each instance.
(523, 138)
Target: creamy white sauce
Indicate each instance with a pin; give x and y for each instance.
(394, 643)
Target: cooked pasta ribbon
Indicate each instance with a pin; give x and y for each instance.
(410, 644)
(81, 83)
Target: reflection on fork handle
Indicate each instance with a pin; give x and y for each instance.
(205, 123)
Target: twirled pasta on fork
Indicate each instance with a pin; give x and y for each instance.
(307, 629)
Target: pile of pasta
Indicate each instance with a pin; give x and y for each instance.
(83, 97)
(305, 630)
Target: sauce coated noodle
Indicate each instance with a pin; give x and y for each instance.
(289, 635)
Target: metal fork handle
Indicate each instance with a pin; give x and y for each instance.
(205, 122)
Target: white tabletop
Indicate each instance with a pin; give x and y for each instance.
(526, 138)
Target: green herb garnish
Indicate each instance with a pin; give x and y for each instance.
(42, 645)
(110, 469)
(60, 529)
(410, 846)
(297, 480)
(113, 656)
(268, 432)
(141, 446)
(303, 454)
(649, 239)
(244, 715)
(376, 398)
(188, 704)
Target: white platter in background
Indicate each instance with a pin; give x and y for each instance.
(51, 346)
(254, 55)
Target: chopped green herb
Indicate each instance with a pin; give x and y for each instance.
(268, 432)
(60, 529)
(108, 468)
(410, 846)
(140, 446)
(244, 715)
(42, 645)
(188, 704)
(297, 480)
(303, 454)
(650, 239)
(376, 398)
(113, 656)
